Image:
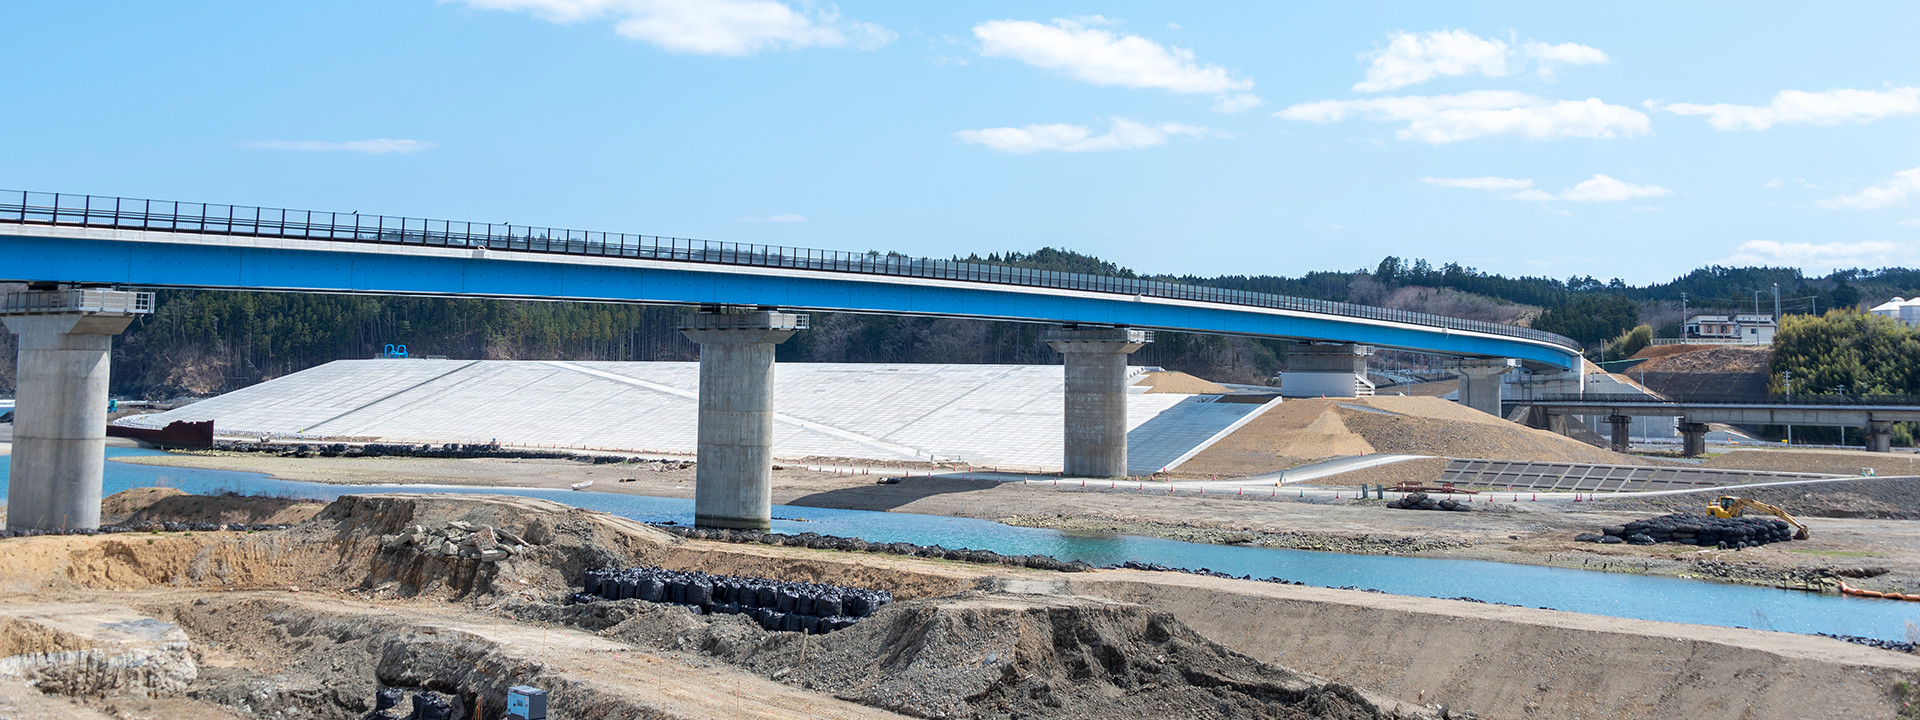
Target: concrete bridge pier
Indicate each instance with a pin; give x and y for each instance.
(1620, 431)
(1096, 396)
(1879, 436)
(733, 480)
(1693, 438)
(1480, 383)
(60, 412)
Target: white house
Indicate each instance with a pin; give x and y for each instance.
(1746, 329)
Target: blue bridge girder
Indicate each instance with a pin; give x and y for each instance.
(100, 244)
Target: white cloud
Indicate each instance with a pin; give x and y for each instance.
(708, 27)
(1411, 59)
(1100, 57)
(1888, 194)
(1910, 222)
(1414, 58)
(1546, 57)
(781, 218)
(1123, 134)
(1796, 107)
(1821, 256)
(1599, 188)
(1450, 118)
(379, 146)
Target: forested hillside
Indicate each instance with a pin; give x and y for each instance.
(201, 342)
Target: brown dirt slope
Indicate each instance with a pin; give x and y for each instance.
(1830, 462)
(174, 505)
(1309, 429)
(1179, 383)
(1715, 359)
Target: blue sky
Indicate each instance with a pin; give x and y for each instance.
(1636, 140)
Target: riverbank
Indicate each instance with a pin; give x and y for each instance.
(1883, 554)
(352, 606)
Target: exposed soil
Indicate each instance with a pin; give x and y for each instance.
(173, 505)
(1829, 462)
(1710, 359)
(1309, 429)
(314, 619)
(1178, 383)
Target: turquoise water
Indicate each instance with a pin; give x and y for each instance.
(1616, 595)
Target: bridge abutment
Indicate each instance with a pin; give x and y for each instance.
(1326, 370)
(1620, 431)
(60, 409)
(1879, 436)
(733, 479)
(1096, 396)
(1693, 438)
(1480, 382)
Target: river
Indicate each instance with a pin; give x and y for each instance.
(1610, 594)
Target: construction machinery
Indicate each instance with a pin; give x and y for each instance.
(1729, 506)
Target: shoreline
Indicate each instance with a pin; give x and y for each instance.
(1525, 535)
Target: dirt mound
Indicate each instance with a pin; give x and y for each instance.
(1830, 462)
(1716, 359)
(1318, 428)
(1655, 352)
(1022, 655)
(1289, 434)
(1179, 383)
(173, 505)
(1432, 426)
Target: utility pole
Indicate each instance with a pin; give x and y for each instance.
(1756, 301)
(1683, 316)
(1776, 302)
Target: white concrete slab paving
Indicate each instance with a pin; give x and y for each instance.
(994, 415)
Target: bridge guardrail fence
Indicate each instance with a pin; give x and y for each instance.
(95, 211)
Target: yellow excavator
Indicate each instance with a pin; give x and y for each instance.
(1729, 506)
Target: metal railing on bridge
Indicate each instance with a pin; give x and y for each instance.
(94, 211)
(1802, 399)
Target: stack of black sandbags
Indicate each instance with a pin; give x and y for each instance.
(1736, 533)
(1421, 501)
(775, 604)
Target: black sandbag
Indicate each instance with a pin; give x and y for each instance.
(430, 706)
(827, 605)
(652, 590)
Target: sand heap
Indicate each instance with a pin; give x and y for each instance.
(1300, 431)
(1178, 383)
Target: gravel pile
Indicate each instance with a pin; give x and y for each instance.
(776, 605)
(458, 539)
(828, 542)
(1894, 645)
(1686, 529)
(1420, 501)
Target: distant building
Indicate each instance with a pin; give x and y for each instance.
(1906, 311)
(1743, 329)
